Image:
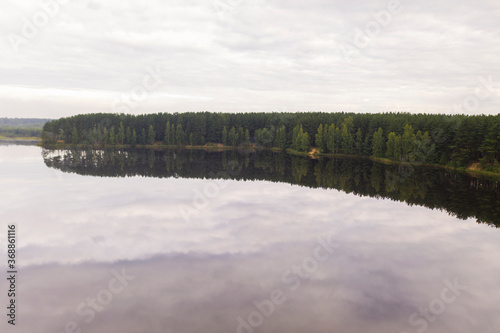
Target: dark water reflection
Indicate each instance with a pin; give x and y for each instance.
(458, 193)
(333, 261)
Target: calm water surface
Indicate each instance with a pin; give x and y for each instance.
(174, 242)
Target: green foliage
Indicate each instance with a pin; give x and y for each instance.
(120, 137)
(280, 137)
(332, 139)
(151, 135)
(25, 127)
(179, 135)
(393, 146)
(378, 143)
(457, 140)
(128, 136)
(247, 137)
(142, 138)
(74, 136)
(224, 136)
(133, 140)
(300, 140)
(112, 139)
(232, 137)
(264, 137)
(322, 138)
(359, 143)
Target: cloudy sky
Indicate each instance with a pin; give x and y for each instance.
(68, 57)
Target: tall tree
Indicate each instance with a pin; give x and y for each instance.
(74, 136)
(133, 139)
(224, 136)
(151, 135)
(167, 139)
(321, 138)
(232, 136)
(378, 143)
(179, 135)
(143, 138)
(120, 137)
(111, 136)
(359, 144)
(128, 136)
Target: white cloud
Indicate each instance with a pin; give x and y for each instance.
(261, 56)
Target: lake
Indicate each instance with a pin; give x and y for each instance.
(192, 241)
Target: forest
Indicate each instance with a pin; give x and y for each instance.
(21, 127)
(452, 140)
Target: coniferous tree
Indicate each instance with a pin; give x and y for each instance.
(128, 136)
(321, 138)
(133, 139)
(172, 135)
(247, 137)
(120, 137)
(331, 142)
(224, 136)
(111, 136)
(74, 136)
(280, 138)
(232, 137)
(408, 142)
(151, 135)
(167, 138)
(378, 143)
(179, 135)
(105, 136)
(305, 142)
(143, 139)
(358, 144)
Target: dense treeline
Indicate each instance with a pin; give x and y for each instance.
(456, 140)
(435, 188)
(20, 132)
(21, 127)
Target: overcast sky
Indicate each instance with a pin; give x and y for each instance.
(248, 55)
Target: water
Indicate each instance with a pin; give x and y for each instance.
(153, 241)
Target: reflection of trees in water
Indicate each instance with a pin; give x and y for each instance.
(458, 193)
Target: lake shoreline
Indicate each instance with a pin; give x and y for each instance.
(251, 148)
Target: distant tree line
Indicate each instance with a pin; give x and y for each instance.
(21, 127)
(456, 140)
